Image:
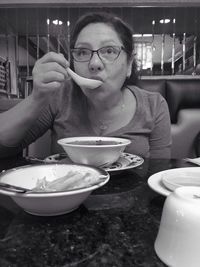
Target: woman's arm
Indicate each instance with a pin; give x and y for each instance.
(48, 76)
(160, 139)
(16, 121)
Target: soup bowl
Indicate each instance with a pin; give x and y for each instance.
(51, 189)
(94, 150)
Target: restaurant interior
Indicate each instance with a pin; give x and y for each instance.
(134, 215)
(166, 38)
(167, 45)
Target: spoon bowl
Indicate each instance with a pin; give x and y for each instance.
(83, 82)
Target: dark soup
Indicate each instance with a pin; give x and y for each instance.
(96, 142)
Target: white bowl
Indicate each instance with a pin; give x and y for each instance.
(54, 202)
(178, 240)
(94, 150)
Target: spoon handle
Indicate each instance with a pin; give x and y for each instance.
(82, 81)
(13, 188)
(72, 74)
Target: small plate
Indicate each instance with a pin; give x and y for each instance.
(125, 162)
(155, 181)
(173, 181)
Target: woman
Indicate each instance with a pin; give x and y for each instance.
(101, 48)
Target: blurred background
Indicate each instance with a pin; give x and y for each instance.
(167, 39)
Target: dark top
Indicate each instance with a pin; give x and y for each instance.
(149, 130)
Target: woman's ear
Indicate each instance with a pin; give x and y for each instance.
(130, 64)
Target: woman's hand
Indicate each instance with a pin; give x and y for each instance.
(49, 74)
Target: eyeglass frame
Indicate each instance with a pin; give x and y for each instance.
(97, 51)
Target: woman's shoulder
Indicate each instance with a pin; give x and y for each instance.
(149, 100)
(150, 96)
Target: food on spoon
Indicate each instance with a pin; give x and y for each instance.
(72, 180)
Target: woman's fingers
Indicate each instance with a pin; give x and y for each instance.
(45, 66)
(52, 76)
(48, 69)
(54, 57)
(51, 86)
(49, 72)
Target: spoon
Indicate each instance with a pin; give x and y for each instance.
(84, 82)
(13, 188)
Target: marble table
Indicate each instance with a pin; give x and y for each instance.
(115, 227)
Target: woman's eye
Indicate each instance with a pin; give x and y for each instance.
(110, 50)
(82, 52)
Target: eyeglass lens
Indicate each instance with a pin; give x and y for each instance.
(109, 53)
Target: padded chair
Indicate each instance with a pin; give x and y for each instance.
(153, 86)
(184, 134)
(182, 94)
(183, 98)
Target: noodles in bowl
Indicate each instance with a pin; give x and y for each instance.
(53, 189)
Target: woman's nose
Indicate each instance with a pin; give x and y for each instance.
(95, 63)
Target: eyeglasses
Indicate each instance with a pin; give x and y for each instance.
(107, 53)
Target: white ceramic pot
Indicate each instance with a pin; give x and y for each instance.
(178, 240)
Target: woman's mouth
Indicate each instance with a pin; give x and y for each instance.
(96, 78)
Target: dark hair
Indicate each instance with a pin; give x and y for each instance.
(123, 30)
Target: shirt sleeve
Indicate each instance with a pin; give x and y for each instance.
(160, 137)
(42, 124)
(38, 128)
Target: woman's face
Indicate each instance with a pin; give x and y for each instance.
(113, 74)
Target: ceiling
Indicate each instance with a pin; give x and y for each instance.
(31, 23)
(89, 3)
(33, 20)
